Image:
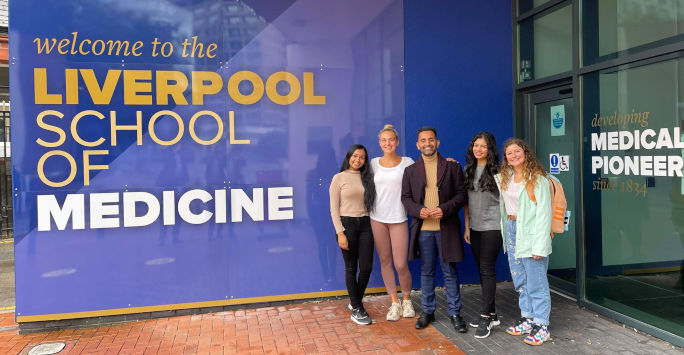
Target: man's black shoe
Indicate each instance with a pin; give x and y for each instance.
(424, 320)
(458, 323)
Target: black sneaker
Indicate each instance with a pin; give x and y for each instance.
(483, 327)
(494, 319)
(424, 320)
(458, 323)
(359, 316)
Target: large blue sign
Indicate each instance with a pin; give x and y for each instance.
(173, 154)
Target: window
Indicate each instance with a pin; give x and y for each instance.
(611, 27)
(634, 192)
(545, 43)
(526, 5)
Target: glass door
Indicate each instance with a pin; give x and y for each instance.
(551, 131)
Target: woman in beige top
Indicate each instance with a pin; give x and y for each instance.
(352, 195)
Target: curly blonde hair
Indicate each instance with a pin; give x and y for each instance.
(389, 128)
(531, 166)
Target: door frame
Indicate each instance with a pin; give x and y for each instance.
(526, 128)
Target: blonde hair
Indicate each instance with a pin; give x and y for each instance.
(531, 167)
(389, 128)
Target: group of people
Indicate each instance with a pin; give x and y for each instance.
(369, 203)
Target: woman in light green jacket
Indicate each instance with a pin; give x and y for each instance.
(526, 227)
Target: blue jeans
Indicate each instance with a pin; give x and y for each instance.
(430, 246)
(529, 279)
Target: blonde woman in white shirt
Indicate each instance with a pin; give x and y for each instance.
(389, 223)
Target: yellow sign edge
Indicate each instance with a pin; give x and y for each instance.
(177, 306)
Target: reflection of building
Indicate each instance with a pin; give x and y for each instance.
(241, 25)
(233, 23)
(379, 62)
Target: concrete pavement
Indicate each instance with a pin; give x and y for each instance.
(6, 275)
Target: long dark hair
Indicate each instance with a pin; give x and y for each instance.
(486, 182)
(366, 176)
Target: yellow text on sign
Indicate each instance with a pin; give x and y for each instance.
(243, 87)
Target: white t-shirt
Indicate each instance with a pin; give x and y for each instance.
(388, 206)
(510, 196)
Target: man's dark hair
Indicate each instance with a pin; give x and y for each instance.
(428, 128)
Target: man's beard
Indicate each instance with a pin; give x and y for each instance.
(429, 155)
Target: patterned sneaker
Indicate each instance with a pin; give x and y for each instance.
(394, 312)
(538, 336)
(494, 319)
(359, 316)
(524, 326)
(407, 306)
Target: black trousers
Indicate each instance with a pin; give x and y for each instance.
(486, 246)
(359, 257)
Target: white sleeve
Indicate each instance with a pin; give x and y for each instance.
(374, 164)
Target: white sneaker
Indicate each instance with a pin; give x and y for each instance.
(394, 312)
(409, 312)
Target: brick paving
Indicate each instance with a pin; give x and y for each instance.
(323, 327)
(7, 321)
(319, 327)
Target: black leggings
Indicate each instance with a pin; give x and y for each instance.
(358, 257)
(486, 246)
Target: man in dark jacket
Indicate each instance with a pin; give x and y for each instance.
(433, 193)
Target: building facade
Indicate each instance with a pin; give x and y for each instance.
(594, 86)
(598, 93)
